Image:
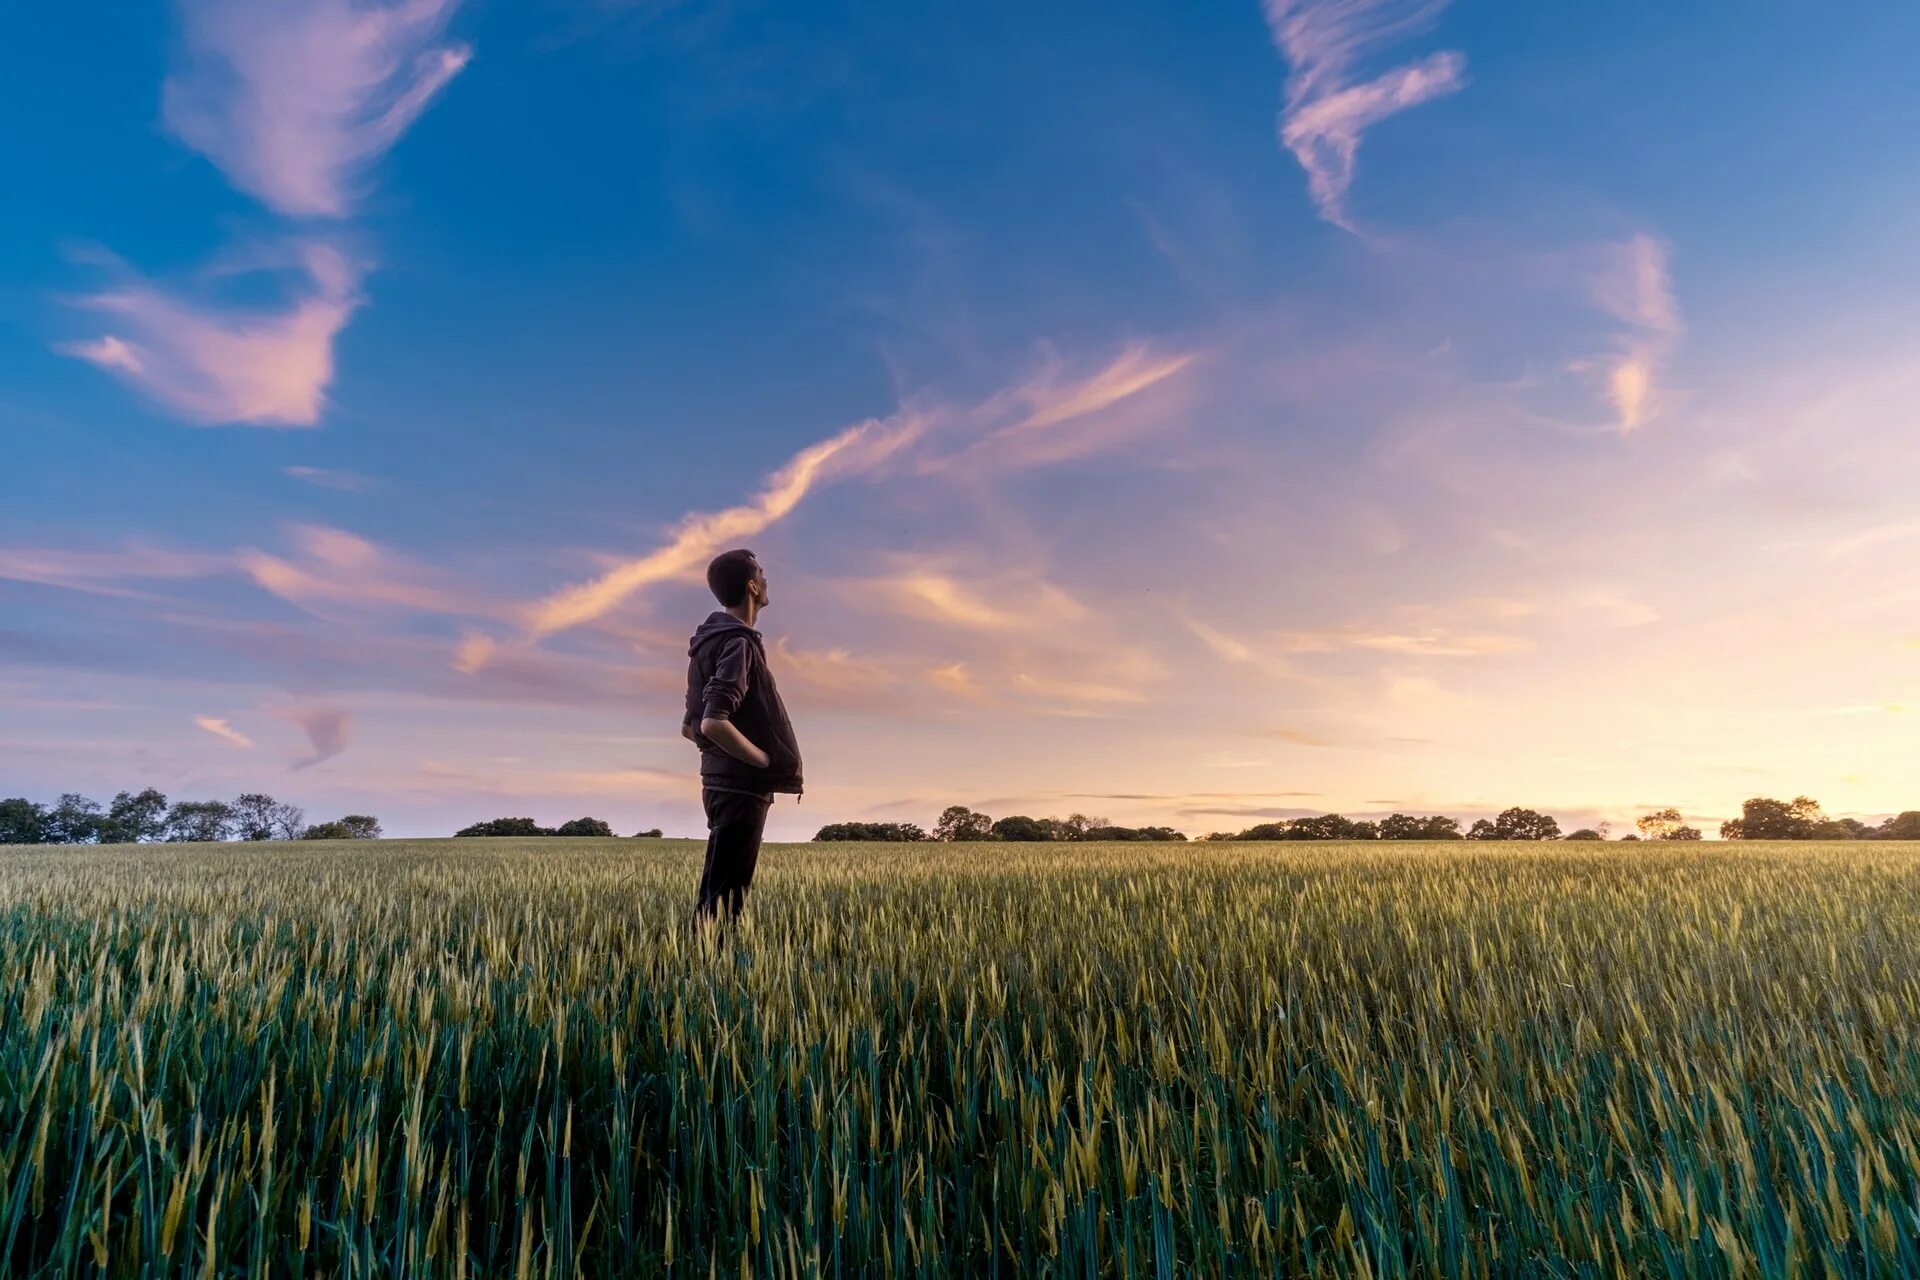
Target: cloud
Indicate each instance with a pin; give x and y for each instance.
(333, 567)
(833, 679)
(701, 536)
(98, 572)
(214, 365)
(224, 731)
(326, 729)
(862, 449)
(295, 99)
(472, 652)
(1877, 536)
(955, 679)
(1632, 283)
(1430, 643)
(1326, 113)
(326, 478)
(1057, 415)
(1221, 643)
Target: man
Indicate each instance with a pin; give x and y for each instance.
(735, 716)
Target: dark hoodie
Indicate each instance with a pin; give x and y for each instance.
(728, 679)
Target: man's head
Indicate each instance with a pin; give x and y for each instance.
(735, 578)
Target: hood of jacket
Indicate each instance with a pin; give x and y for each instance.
(719, 624)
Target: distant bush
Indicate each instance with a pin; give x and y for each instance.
(1584, 833)
(355, 826)
(1133, 833)
(896, 832)
(583, 827)
(651, 833)
(505, 827)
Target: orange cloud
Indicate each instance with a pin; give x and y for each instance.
(701, 536)
(223, 731)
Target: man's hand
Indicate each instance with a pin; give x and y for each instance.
(724, 735)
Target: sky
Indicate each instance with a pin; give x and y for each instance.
(1184, 414)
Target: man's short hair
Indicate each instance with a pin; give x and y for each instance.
(728, 575)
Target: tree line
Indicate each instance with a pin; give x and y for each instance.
(144, 817)
(959, 823)
(528, 827)
(1760, 818)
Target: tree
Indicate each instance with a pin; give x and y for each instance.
(1264, 831)
(584, 827)
(651, 833)
(1406, 826)
(957, 822)
(1585, 833)
(1076, 825)
(1135, 833)
(22, 822)
(505, 827)
(135, 818)
(1762, 818)
(1684, 833)
(1483, 829)
(1020, 827)
(289, 821)
(1658, 825)
(74, 820)
(1525, 824)
(199, 820)
(1903, 826)
(253, 816)
(893, 832)
(355, 826)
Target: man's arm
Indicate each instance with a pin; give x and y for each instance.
(729, 739)
(722, 696)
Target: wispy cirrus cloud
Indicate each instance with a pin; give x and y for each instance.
(700, 536)
(294, 100)
(222, 730)
(216, 364)
(327, 730)
(1327, 112)
(328, 478)
(332, 567)
(863, 449)
(1633, 283)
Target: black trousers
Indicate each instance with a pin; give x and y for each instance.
(735, 822)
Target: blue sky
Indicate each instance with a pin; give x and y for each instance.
(1184, 414)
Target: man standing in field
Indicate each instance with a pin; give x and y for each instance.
(735, 716)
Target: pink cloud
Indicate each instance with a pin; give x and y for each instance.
(332, 567)
(295, 99)
(327, 478)
(215, 365)
(327, 729)
(1326, 114)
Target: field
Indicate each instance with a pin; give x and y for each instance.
(503, 1057)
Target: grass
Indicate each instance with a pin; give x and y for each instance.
(511, 1057)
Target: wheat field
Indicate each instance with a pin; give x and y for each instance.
(514, 1058)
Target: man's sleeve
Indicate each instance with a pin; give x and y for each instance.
(691, 717)
(728, 684)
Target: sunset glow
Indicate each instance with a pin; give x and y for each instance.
(1185, 415)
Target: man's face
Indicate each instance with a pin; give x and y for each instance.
(757, 587)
